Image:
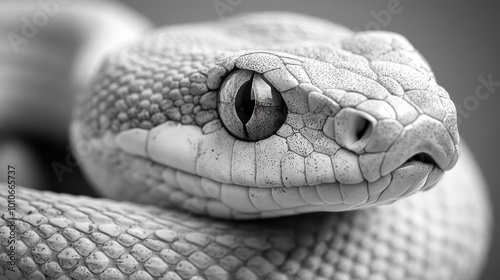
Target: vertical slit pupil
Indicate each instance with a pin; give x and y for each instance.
(243, 102)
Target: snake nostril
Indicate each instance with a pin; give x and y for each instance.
(358, 128)
(353, 129)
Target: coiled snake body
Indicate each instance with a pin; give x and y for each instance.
(259, 116)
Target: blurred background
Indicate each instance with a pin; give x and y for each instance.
(458, 38)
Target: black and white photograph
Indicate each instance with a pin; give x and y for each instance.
(249, 139)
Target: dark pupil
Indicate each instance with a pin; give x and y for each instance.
(244, 103)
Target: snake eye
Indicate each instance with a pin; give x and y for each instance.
(250, 107)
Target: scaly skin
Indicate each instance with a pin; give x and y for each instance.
(150, 130)
(439, 234)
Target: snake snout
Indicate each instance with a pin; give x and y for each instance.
(384, 145)
(426, 141)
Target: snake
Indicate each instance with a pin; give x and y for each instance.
(262, 146)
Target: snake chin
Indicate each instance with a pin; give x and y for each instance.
(417, 165)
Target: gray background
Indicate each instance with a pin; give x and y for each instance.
(458, 38)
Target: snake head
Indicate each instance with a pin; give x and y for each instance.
(348, 127)
(267, 115)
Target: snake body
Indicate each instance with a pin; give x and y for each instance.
(362, 123)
